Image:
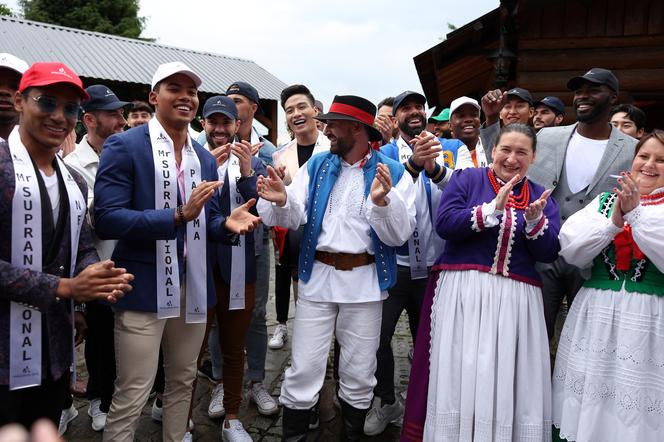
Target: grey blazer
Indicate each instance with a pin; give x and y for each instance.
(550, 157)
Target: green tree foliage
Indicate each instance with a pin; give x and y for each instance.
(117, 17)
(5, 10)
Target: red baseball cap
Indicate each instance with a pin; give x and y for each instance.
(45, 74)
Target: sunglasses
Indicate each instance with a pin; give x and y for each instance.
(49, 104)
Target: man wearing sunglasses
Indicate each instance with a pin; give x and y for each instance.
(11, 70)
(47, 260)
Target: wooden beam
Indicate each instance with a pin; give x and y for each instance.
(582, 59)
(593, 42)
(630, 79)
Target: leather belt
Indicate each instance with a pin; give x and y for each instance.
(344, 261)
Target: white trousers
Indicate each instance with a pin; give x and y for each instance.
(358, 333)
(138, 336)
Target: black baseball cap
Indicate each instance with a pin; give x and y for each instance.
(554, 103)
(247, 90)
(520, 93)
(101, 98)
(220, 104)
(402, 97)
(597, 76)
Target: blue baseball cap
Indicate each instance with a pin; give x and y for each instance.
(220, 104)
(554, 103)
(402, 97)
(101, 98)
(521, 93)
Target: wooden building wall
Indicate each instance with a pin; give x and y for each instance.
(561, 39)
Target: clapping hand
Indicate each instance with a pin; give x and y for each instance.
(628, 198)
(381, 185)
(241, 220)
(504, 193)
(271, 187)
(221, 153)
(535, 209)
(426, 148)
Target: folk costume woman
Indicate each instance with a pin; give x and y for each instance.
(488, 358)
(608, 382)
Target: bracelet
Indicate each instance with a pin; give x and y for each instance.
(180, 213)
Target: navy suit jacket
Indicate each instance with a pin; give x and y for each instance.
(38, 288)
(125, 210)
(247, 188)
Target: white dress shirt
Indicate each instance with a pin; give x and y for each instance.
(346, 227)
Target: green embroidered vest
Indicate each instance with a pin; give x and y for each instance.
(642, 276)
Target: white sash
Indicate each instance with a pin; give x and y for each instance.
(238, 265)
(480, 154)
(166, 191)
(418, 263)
(25, 347)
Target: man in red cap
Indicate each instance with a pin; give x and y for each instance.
(47, 260)
(357, 206)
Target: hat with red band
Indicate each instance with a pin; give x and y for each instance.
(353, 108)
(46, 74)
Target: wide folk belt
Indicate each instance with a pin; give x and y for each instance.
(344, 261)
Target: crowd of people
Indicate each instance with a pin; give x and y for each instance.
(152, 244)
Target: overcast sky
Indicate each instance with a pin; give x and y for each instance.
(359, 47)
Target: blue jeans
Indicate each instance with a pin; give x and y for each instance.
(256, 341)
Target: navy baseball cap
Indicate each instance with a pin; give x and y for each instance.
(554, 103)
(101, 98)
(220, 104)
(597, 76)
(402, 97)
(247, 90)
(520, 93)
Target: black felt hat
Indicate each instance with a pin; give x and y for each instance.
(353, 108)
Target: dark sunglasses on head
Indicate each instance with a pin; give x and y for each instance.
(49, 104)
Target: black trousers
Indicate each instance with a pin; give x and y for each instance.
(559, 280)
(100, 353)
(28, 405)
(407, 294)
(285, 272)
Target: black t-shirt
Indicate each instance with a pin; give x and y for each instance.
(304, 153)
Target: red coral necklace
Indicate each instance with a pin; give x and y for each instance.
(520, 201)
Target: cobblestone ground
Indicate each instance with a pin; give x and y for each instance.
(261, 428)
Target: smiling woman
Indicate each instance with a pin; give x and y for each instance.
(613, 337)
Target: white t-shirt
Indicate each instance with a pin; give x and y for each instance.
(53, 190)
(582, 160)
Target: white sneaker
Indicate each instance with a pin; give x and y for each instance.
(379, 416)
(265, 403)
(157, 410)
(279, 337)
(98, 416)
(67, 415)
(188, 437)
(235, 432)
(216, 407)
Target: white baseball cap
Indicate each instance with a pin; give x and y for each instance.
(12, 62)
(457, 103)
(176, 67)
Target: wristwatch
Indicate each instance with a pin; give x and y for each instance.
(252, 172)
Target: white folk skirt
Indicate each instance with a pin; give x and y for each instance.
(608, 382)
(490, 375)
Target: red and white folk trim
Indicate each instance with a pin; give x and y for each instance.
(503, 255)
(477, 219)
(539, 229)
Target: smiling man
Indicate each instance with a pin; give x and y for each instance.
(578, 162)
(155, 193)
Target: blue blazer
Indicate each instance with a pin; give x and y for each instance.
(124, 210)
(247, 188)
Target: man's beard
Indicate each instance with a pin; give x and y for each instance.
(597, 111)
(413, 131)
(212, 143)
(341, 147)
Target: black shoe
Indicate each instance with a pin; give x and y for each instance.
(205, 370)
(353, 422)
(295, 424)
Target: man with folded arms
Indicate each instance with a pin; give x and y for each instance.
(47, 260)
(154, 193)
(357, 205)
